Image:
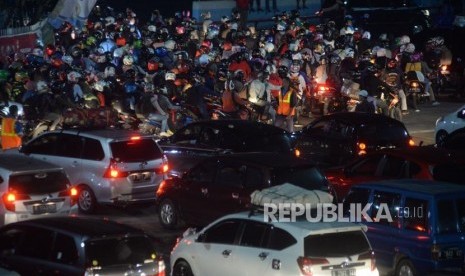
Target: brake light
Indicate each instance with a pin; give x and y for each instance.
(10, 198)
(435, 252)
(161, 268)
(414, 84)
(72, 193)
(306, 263)
(163, 169)
(411, 142)
(113, 172)
(297, 153)
(370, 255)
(133, 138)
(362, 148)
(444, 68)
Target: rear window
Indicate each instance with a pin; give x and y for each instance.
(451, 216)
(270, 143)
(135, 150)
(341, 244)
(39, 183)
(117, 251)
(305, 177)
(386, 132)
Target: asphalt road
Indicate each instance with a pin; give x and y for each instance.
(420, 125)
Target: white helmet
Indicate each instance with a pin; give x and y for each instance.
(404, 39)
(170, 44)
(73, 76)
(381, 52)
(42, 87)
(366, 35)
(294, 46)
(170, 76)
(128, 60)
(37, 52)
(152, 28)
(204, 60)
(109, 20)
(269, 47)
(409, 48)
(349, 52)
(67, 59)
(271, 69)
(118, 52)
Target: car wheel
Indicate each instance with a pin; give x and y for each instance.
(440, 137)
(182, 268)
(86, 200)
(405, 268)
(168, 214)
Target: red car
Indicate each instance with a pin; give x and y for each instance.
(429, 163)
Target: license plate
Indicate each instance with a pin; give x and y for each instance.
(345, 272)
(44, 208)
(141, 177)
(452, 253)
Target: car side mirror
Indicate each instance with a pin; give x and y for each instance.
(461, 114)
(201, 237)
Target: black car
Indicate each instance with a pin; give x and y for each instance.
(397, 17)
(455, 141)
(78, 246)
(199, 140)
(335, 139)
(223, 184)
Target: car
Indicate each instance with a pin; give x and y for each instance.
(335, 139)
(446, 124)
(107, 166)
(398, 17)
(202, 139)
(79, 246)
(223, 184)
(423, 233)
(454, 141)
(245, 244)
(414, 162)
(31, 188)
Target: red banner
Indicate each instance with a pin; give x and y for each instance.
(19, 43)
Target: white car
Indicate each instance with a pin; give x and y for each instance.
(244, 244)
(446, 124)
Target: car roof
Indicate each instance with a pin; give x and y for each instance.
(300, 227)
(90, 227)
(115, 134)
(243, 126)
(359, 118)
(423, 187)
(18, 162)
(425, 154)
(270, 159)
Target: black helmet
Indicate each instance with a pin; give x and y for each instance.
(283, 71)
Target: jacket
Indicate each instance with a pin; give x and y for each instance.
(9, 136)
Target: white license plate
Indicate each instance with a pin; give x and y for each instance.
(44, 208)
(344, 272)
(141, 177)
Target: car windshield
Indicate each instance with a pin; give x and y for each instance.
(341, 244)
(121, 250)
(39, 182)
(306, 177)
(135, 150)
(381, 3)
(387, 132)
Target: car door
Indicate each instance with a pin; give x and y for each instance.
(382, 233)
(193, 195)
(217, 248)
(253, 256)
(227, 192)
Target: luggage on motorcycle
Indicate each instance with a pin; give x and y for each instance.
(100, 117)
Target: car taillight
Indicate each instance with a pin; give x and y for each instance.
(161, 268)
(10, 198)
(411, 142)
(72, 193)
(306, 263)
(297, 153)
(163, 169)
(435, 252)
(362, 148)
(370, 255)
(113, 172)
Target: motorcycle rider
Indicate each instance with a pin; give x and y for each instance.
(287, 102)
(370, 81)
(364, 105)
(232, 102)
(155, 111)
(260, 97)
(393, 76)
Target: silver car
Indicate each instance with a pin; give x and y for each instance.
(32, 188)
(109, 166)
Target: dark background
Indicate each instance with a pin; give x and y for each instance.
(143, 8)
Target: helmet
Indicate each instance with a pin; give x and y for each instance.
(99, 86)
(74, 76)
(366, 35)
(149, 87)
(224, 19)
(76, 52)
(118, 52)
(404, 39)
(207, 44)
(271, 69)
(180, 30)
(409, 48)
(20, 76)
(170, 76)
(269, 47)
(153, 64)
(392, 63)
(381, 52)
(416, 57)
(227, 46)
(204, 60)
(357, 36)
(67, 59)
(37, 52)
(170, 45)
(281, 26)
(42, 87)
(50, 49)
(161, 52)
(130, 87)
(128, 60)
(349, 52)
(213, 31)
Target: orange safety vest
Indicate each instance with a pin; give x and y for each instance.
(9, 137)
(284, 106)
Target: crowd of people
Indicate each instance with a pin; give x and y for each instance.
(147, 64)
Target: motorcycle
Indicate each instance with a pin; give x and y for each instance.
(392, 100)
(327, 100)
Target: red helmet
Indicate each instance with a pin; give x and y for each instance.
(152, 65)
(357, 36)
(50, 49)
